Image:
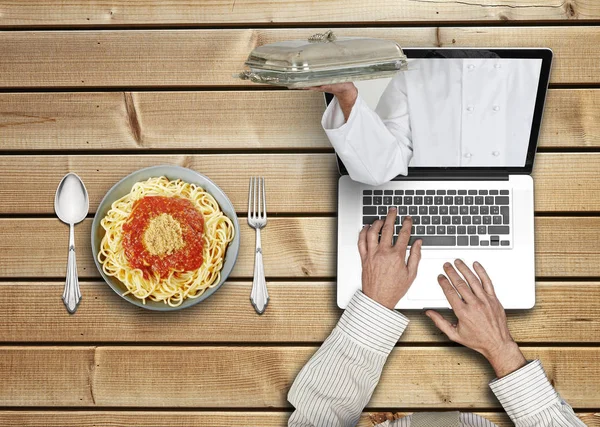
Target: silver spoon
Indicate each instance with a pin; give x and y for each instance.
(71, 205)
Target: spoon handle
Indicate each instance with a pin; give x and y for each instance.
(72, 294)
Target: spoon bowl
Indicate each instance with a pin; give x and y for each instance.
(71, 205)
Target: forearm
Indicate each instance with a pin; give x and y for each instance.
(530, 400)
(338, 381)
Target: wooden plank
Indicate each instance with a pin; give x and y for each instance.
(293, 247)
(565, 312)
(565, 68)
(167, 120)
(207, 121)
(259, 377)
(297, 247)
(499, 419)
(171, 12)
(178, 58)
(297, 183)
(570, 119)
(311, 178)
(200, 418)
(140, 418)
(565, 176)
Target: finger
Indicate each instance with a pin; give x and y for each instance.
(387, 232)
(442, 324)
(485, 279)
(404, 236)
(362, 242)
(414, 258)
(451, 295)
(459, 283)
(373, 235)
(472, 279)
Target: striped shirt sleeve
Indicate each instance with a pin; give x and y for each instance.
(530, 400)
(338, 381)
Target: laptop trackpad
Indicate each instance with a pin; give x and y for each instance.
(426, 286)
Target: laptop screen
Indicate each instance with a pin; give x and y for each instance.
(464, 108)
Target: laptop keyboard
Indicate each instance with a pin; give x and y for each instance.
(449, 217)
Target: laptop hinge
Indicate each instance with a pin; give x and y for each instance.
(454, 177)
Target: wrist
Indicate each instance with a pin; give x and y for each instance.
(347, 96)
(506, 359)
(387, 302)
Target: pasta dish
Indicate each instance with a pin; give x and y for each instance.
(165, 241)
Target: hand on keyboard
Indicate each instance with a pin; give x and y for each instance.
(386, 276)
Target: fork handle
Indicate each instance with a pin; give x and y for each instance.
(259, 296)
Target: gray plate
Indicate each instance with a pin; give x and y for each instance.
(123, 187)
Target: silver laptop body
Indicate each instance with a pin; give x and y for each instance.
(474, 212)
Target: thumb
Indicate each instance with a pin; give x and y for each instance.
(413, 259)
(443, 325)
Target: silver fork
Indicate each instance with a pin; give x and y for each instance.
(257, 219)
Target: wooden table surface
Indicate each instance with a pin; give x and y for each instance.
(104, 88)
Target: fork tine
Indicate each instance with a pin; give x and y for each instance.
(264, 200)
(259, 186)
(254, 201)
(250, 198)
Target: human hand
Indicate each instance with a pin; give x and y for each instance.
(346, 94)
(481, 322)
(386, 276)
(341, 90)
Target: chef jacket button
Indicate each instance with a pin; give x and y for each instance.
(470, 66)
(497, 66)
(468, 155)
(470, 108)
(496, 108)
(495, 153)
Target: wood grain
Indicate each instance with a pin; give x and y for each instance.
(570, 117)
(282, 120)
(171, 12)
(117, 85)
(294, 247)
(296, 183)
(199, 418)
(259, 377)
(178, 58)
(310, 178)
(565, 312)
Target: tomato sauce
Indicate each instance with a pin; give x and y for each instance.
(187, 258)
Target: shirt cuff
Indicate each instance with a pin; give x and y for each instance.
(525, 391)
(371, 324)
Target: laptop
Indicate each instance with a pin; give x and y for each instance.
(471, 124)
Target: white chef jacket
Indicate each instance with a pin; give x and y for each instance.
(439, 113)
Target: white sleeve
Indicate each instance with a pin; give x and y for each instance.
(375, 146)
(530, 400)
(338, 381)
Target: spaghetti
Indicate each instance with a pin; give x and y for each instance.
(165, 241)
